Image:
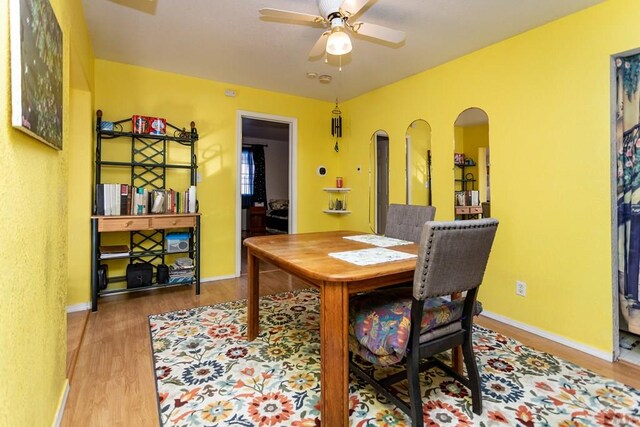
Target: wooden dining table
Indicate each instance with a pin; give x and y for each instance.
(306, 256)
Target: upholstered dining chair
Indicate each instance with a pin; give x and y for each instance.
(410, 325)
(405, 222)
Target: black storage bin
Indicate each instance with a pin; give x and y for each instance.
(103, 277)
(139, 275)
(162, 274)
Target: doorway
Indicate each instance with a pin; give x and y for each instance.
(271, 141)
(382, 181)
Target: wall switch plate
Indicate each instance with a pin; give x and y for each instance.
(198, 177)
(230, 92)
(521, 288)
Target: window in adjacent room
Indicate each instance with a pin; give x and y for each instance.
(246, 177)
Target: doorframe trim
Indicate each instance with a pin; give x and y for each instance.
(613, 173)
(377, 134)
(408, 145)
(293, 174)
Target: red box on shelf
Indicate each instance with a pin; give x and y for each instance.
(149, 125)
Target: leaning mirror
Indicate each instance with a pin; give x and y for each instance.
(471, 165)
(418, 163)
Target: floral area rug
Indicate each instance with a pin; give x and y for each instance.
(207, 374)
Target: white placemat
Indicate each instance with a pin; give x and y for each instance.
(371, 256)
(379, 241)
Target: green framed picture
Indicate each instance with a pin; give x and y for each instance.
(36, 71)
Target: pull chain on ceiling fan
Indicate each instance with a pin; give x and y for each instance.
(336, 15)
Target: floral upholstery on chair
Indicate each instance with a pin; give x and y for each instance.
(380, 321)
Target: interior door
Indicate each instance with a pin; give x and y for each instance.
(382, 182)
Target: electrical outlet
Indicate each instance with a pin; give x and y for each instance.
(521, 288)
(198, 177)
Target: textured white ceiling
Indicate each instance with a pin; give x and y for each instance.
(227, 41)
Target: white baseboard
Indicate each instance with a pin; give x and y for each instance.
(63, 403)
(79, 307)
(552, 337)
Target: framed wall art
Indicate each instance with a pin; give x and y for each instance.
(36, 71)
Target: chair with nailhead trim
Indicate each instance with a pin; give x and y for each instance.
(405, 222)
(412, 325)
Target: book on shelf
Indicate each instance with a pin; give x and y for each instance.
(99, 199)
(158, 201)
(192, 199)
(114, 251)
(124, 194)
(475, 198)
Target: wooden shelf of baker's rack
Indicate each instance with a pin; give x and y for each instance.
(108, 223)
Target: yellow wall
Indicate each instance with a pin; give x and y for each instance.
(33, 247)
(80, 151)
(546, 93)
(123, 90)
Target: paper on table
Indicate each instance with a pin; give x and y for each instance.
(371, 256)
(379, 241)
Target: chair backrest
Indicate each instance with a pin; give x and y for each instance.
(452, 256)
(406, 221)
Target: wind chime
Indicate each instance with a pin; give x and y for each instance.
(336, 125)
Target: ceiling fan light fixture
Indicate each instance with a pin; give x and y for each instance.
(338, 43)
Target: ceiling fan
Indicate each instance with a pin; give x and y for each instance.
(337, 15)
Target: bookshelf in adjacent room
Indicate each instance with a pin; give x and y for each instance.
(466, 198)
(137, 221)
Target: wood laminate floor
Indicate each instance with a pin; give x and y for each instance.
(76, 323)
(113, 381)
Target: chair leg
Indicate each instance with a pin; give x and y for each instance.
(415, 396)
(472, 374)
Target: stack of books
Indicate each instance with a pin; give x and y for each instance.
(467, 198)
(114, 251)
(124, 199)
(181, 271)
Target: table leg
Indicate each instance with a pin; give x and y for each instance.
(334, 354)
(456, 352)
(253, 287)
(456, 359)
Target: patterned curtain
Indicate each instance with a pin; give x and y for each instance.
(259, 181)
(628, 191)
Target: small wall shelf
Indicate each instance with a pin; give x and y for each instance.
(338, 205)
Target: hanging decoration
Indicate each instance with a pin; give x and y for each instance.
(336, 125)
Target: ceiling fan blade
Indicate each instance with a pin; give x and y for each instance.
(353, 6)
(295, 16)
(379, 32)
(318, 49)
